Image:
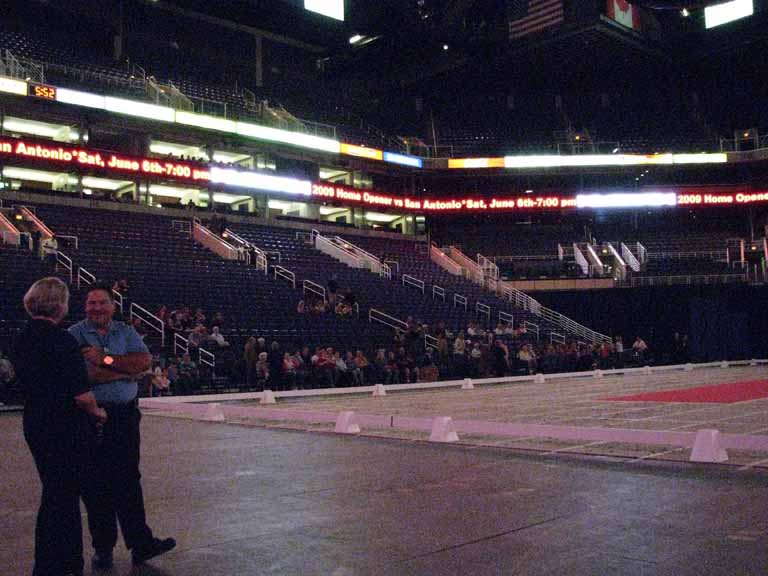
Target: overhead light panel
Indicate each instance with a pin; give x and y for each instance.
(727, 12)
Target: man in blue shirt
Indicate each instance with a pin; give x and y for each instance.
(115, 356)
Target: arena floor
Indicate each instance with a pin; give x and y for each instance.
(245, 501)
(572, 402)
(255, 497)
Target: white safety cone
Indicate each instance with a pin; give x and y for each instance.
(379, 390)
(707, 448)
(443, 430)
(345, 423)
(268, 397)
(214, 413)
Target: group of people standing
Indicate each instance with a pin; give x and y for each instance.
(81, 423)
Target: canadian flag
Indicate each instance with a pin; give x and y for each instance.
(624, 13)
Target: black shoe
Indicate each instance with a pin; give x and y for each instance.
(141, 554)
(102, 561)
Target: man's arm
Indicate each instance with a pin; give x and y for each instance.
(87, 403)
(129, 364)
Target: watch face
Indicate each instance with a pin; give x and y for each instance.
(108, 360)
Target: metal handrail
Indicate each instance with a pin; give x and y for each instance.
(184, 226)
(309, 286)
(488, 266)
(481, 308)
(69, 236)
(356, 248)
(687, 279)
(274, 252)
(506, 318)
(555, 337)
(444, 261)
(386, 319)
(66, 263)
(158, 326)
(413, 282)
(395, 262)
(531, 257)
(531, 327)
(15, 237)
(430, 341)
(581, 261)
(84, 276)
(438, 291)
(633, 262)
(206, 357)
(180, 343)
(522, 300)
(32, 215)
(237, 238)
(459, 300)
(713, 254)
(285, 274)
(119, 300)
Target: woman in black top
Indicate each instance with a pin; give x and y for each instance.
(57, 405)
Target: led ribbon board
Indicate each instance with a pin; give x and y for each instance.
(81, 157)
(122, 166)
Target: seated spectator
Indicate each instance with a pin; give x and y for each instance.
(324, 366)
(528, 357)
(405, 366)
(428, 371)
(262, 371)
(197, 336)
(379, 366)
(138, 325)
(160, 385)
(362, 364)
(7, 374)
(172, 373)
(164, 315)
(275, 357)
(289, 371)
(391, 370)
(343, 309)
(301, 307)
(341, 372)
(639, 349)
(300, 366)
(500, 359)
(188, 373)
(218, 338)
(355, 372)
(50, 249)
(219, 320)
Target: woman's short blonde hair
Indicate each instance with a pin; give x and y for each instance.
(48, 298)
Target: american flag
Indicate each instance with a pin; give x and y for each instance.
(529, 16)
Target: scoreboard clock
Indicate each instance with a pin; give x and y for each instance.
(42, 91)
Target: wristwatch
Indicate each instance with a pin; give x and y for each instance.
(108, 360)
